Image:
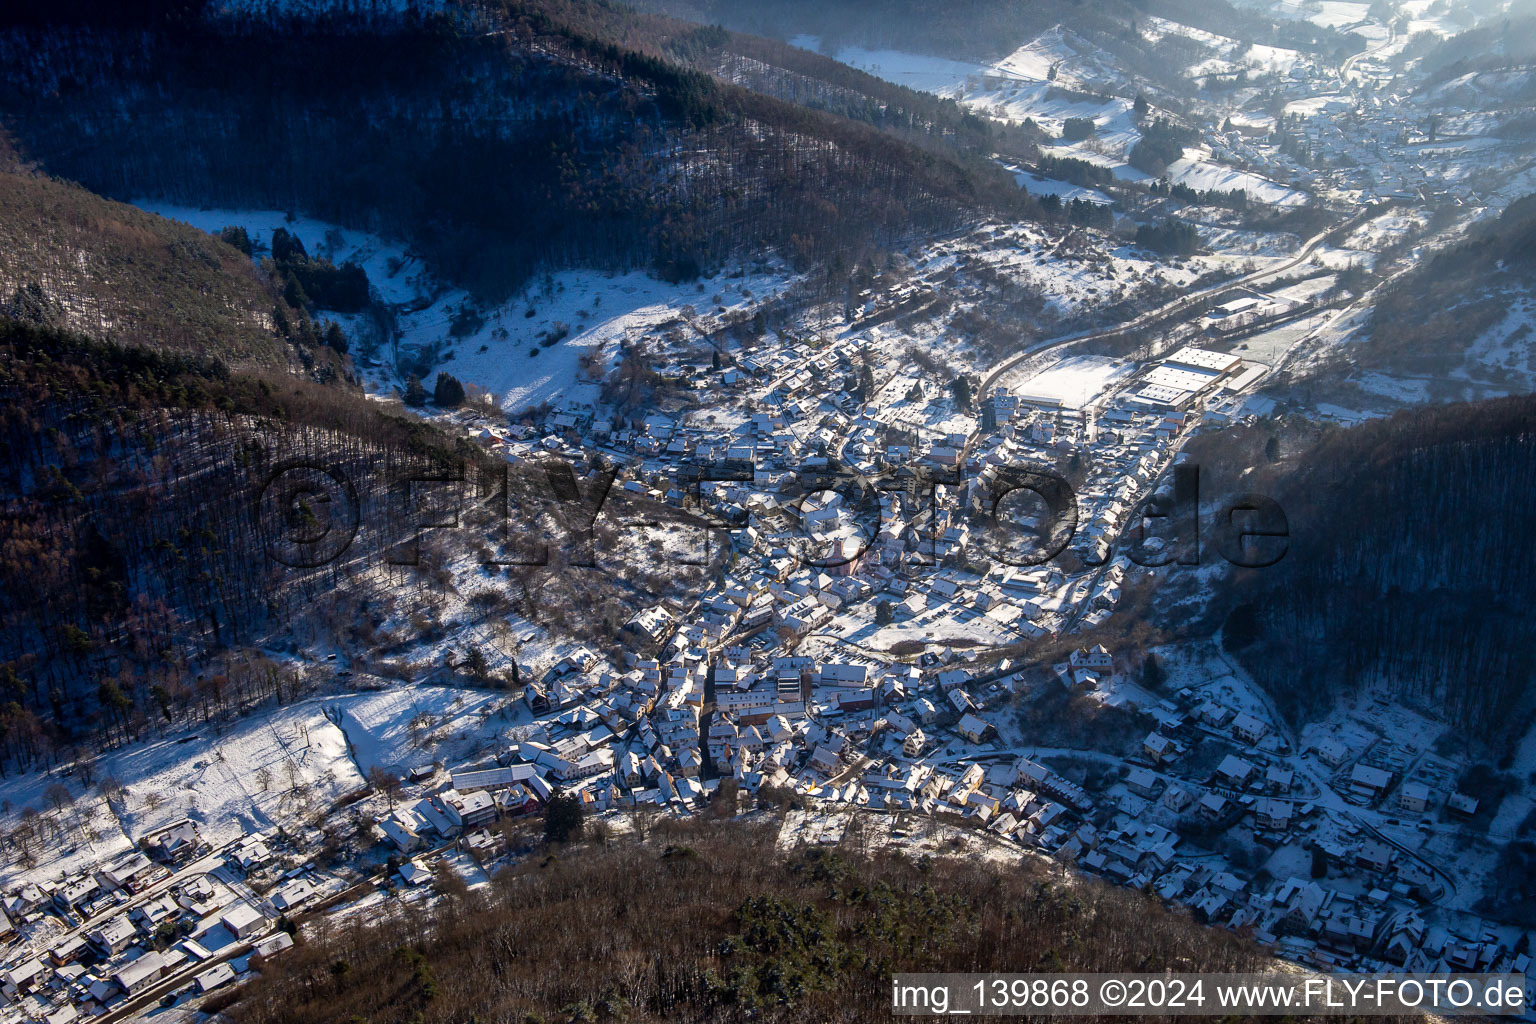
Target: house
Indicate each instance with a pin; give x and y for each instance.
(66, 1014)
(1307, 902)
(1096, 659)
(833, 674)
(174, 844)
(1176, 798)
(1142, 782)
(24, 977)
(467, 810)
(127, 872)
(1234, 771)
(824, 760)
(244, 921)
(1212, 807)
(68, 951)
(1157, 747)
(274, 943)
(1214, 714)
(401, 830)
(1272, 814)
(292, 895)
(1333, 751)
(414, 873)
(24, 901)
(1248, 728)
(856, 700)
(1376, 856)
(1462, 805)
(913, 745)
(517, 802)
(212, 978)
(1368, 781)
(972, 728)
(150, 914)
(76, 894)
(490, 778)
(1278, 779)
(1413, 796)
(138, 975)
(952, 679)
(250, 853)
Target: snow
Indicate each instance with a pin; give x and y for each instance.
(913, 70)
(390, 267)
(1230, 54)
(378, 725)
(1015, 88)
(1202, 175)
(1519, 803)
(217, 780)
(1273, 59)
(1075, 382)
(276, 766)
(590, 312)
(1035, 185)
(1337, 14)
(1036, 58)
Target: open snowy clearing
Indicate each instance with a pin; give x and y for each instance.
(1204, 176)
(275, 767)
(553, 343)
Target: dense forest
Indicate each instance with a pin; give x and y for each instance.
(507, 139)
(704, 922)
(70, 258)
(166, 519)
(1424, 322)
(1508, 42)
(1409, 570)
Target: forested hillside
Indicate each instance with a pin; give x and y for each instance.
(1410, 569)
(501, 141)
(166, 519)
(1433, 314)
(70, 258)
(988, 29)
(706, 923)
(1501, 43)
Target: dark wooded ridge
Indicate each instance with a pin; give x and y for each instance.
(704, 922)
(508, 140)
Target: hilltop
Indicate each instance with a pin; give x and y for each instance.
(73, 259)
(698, 923)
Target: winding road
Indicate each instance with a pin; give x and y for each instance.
(1182, 304)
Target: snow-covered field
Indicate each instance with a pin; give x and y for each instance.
(576, 319)
(913, 70)
(1038, 186)
(391, 269)
(276, 766)
(271, 767)
(1203, 175)
(1231, 53)
(1017, 87)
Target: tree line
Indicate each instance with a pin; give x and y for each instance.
(695, 922)
(498, 148)
(1409, 570)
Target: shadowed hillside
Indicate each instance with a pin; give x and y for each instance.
(73, 259)
(705, 923)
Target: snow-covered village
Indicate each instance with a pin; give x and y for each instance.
(957, 550)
